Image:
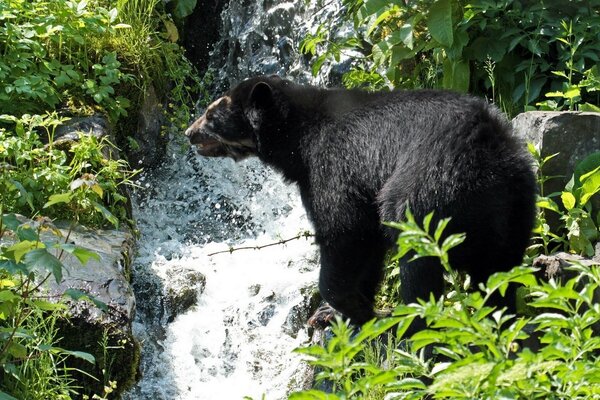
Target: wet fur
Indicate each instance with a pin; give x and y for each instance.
(359, 158)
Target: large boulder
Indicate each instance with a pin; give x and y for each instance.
(573, 135)
(107, 335)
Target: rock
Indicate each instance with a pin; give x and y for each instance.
(298, 316)
(95, 125)
(554, 266)
(573, 135)
(147, 143)
(184, 287)
(106, 335)
(201, 31)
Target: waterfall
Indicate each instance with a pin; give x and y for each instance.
(224, 326)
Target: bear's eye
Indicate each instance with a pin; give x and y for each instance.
(210, 113)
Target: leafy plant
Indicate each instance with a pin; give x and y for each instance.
(580, 221)
(31, 365)
(480, 352)
(450, 44)
(81, 182)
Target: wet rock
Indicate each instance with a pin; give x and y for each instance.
(184, 287)
(70, 131)
(265, 315)
(201, 30)
(573, 135)
(146, 147)
(88, 328)
(299, 313)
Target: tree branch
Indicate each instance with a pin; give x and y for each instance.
(305, 234)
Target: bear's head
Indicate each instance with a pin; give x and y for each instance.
(231, 125)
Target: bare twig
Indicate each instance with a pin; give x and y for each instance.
(305, 234)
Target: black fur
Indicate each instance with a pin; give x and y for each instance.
(359, 158)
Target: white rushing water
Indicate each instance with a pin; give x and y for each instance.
(238, 336)
(238, 339)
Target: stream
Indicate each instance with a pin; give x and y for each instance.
(224, 326)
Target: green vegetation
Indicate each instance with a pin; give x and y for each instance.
(521, 55)
(62, 59)
(31, 362)
(479, 352)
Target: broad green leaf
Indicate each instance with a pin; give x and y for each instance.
(456, 75)
(548, 204)
(17, 350)
(59, 198)
(79, 354)
(172, 32)
(7, 295)
(82, 254)
(589, 107)
(24, 193)
(48, 305)
(183, 8)
(106, 214)
(78, 295)
(10, 221)
(439, 22)
(20, 249)
(12, 267)
(568, 200)
(41, 259)
(590, 185)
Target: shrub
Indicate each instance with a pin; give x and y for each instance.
(522, 55)
(479, 352)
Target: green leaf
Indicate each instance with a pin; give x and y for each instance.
(568, 200)
(7, 295)
(82, 254)
(48, 305)
(10, 221)
(59, 198)
(79, 354)
(20, 249)
(589, 107)
(41, 259)
(12, 267)
(183, 8)
(24, 193)
(78, 295)
(106, 214)
(590, 185)
(456, 75)
(439, 22)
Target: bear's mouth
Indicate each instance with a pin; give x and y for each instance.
(210, 147)
(213, 147)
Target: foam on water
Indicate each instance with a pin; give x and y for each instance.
(239, 339)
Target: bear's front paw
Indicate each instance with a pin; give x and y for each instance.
(322, 317)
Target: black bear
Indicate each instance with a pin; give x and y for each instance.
(361, 158)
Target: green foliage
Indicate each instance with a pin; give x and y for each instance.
(535, 48)
(79, 182)
(481, 352)
(31, 365)
(580, 227)
(50, 57)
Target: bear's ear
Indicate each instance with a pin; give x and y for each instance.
(261, 95)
